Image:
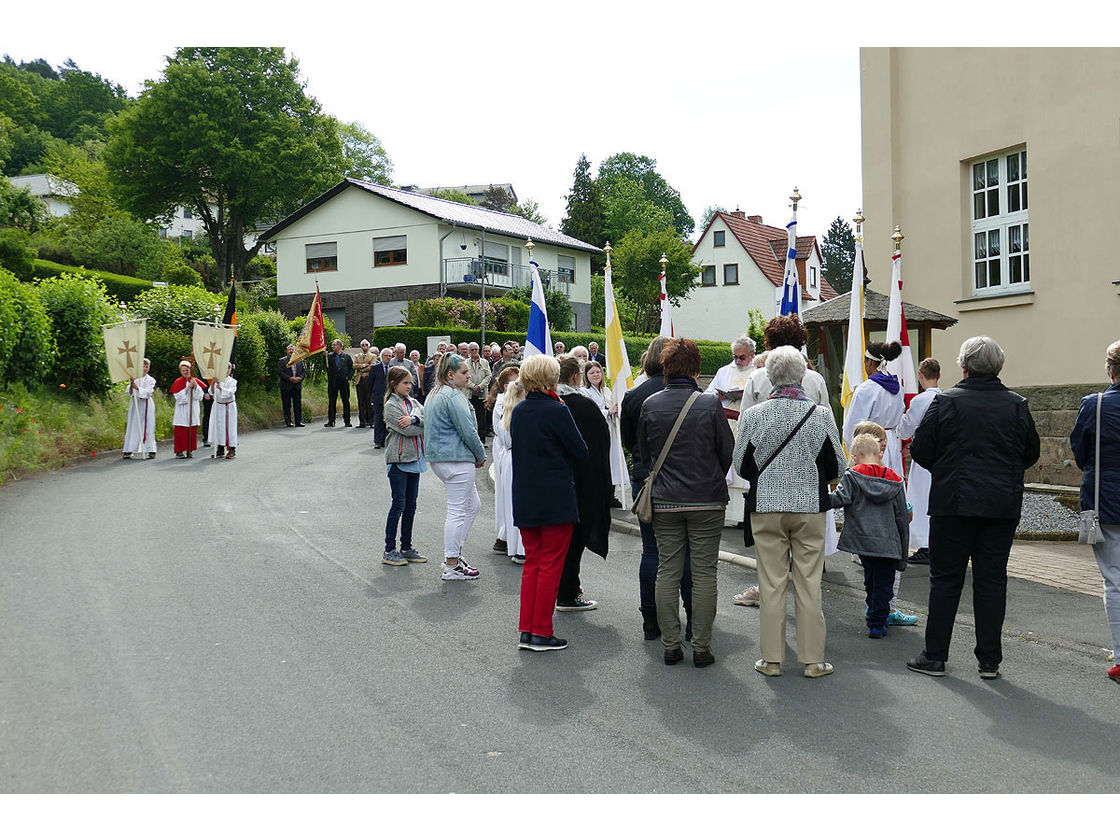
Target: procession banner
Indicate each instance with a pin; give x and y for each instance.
(313, 339)
(124, 349)
(213, 345)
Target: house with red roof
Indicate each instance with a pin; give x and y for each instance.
(744, 265)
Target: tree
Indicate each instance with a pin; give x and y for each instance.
(560, 313)
(231, 133)
(838, 252)
(710, 211)
(496, 198)
(19, 208)
(585, 218)
(642, 170)
(629, 210)
(636, 266)
(458, 196)
(529, 209)
(363, 155)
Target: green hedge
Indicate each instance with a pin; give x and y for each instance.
(166, 348)
(119, 286)
(713, 354)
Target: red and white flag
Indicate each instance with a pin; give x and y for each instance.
(903, 366)
(666, 310)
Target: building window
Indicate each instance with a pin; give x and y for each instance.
(1000, 230)
(812, 277)
(322, 256)
(708, 278)
(731, 274)
(719, 237)
(187, 234)
(566, 268)
(390, 250)
(187, 213)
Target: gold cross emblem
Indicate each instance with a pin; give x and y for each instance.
(211, 351)
(127, 349)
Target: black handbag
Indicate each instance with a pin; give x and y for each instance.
(746, 471)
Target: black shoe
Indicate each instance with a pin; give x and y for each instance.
(933, 667)
(361, 425)
(526, 638)
(328, 424)
(288, 423)
(615, 503)
(300, 425)
(919, 557)
(501, 547)
(703, 658)
(688, 630)
(650, 629)
(988, 672)
(347, 425)
(541, 643)
(673, 655)
(378, 446)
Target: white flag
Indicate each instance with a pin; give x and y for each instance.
(124, 349)
(666, 310)
(903, 366)
(212, 344)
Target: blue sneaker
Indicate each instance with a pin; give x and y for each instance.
(901, 619)
(876, 632)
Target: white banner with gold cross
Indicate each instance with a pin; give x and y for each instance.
(212, 344)
(124, 349)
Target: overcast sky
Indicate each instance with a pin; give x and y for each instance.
(738, 102)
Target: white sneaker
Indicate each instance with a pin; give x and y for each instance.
(747, 598)
(460, 571)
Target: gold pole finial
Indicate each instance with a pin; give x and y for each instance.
(859, 220)
(529, 246)
(664, 262)
(898, 236)
(607, 250)
(795, 198)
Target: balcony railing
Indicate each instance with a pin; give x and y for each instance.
(467, 274)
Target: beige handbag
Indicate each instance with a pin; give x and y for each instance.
(643, 504)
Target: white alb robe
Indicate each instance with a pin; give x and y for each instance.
(188, 411)
(496, 450)
(605, 400)
(728, 378)
(223, 416)
(502, 452)
(871, 401)
(140, 430)
(919, 479)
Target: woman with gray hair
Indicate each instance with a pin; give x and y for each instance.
(789, 450)
(1100, 485)
(976, 440)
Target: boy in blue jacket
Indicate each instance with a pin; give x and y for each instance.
(876, 526)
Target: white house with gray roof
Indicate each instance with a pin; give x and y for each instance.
(371, 249)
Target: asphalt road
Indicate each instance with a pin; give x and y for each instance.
(211, 626)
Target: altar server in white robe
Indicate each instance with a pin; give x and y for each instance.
(503, 468)
(879, 398)
(595, 388)
(918, 480)
(187, 391)
(223, 418)
(140, 429)
(500, 456)
(729, 381)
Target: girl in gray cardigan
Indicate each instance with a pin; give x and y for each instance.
(876, 526)
(404, 459)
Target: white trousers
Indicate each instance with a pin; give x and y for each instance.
(463, 503)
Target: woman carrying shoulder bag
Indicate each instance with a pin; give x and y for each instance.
(1096, 446)
(404, 461)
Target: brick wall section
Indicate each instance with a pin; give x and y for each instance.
(1054, 408)
(358, 304)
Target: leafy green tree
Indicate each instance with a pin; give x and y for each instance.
(710, 211)
(626, 310)
(560, 312)
(78, 104)
(16, 253)
(642, 170)
(585, 218)
(231, 133)
(457, 196)
(40, 67)
(28, 342)
(629, 210)
(363, 155)
(19, 208)
(174, 307)
(838, 252)
(496, 198)
(636, 267)
(528, 209)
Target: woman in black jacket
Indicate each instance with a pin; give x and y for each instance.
(594, 490)
(546, 447)
(689, 496)
(976, 439)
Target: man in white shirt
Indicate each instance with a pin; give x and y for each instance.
(918, 478)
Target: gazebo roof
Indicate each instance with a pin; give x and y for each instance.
(875, 308)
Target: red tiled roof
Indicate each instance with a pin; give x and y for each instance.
(766, 245)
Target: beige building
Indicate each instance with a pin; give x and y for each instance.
(951, 140)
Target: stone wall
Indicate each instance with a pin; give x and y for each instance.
(358, 304)
(1054, 408)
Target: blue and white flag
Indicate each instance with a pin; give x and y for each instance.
(791, 288)
(539, 338)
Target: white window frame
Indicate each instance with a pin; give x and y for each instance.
(999, 242)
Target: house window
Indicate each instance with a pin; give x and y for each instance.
(718, 238)
(390, 250)
(708, 278)
(497, 259)
(187, 213)
(812, 277)
(731, 274)
(187, 234)
(322, 256)
(566, 268)
(1000, 231)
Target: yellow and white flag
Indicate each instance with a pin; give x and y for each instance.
(212, 344)
(618, 363)
(857, 345)
(124, 349)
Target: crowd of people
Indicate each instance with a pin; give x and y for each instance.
(936, 483)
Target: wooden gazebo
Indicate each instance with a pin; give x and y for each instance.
(827, 324)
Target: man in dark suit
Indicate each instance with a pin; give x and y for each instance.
(291, 388)
(377, 375)
(340, 367)
(595, 355)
